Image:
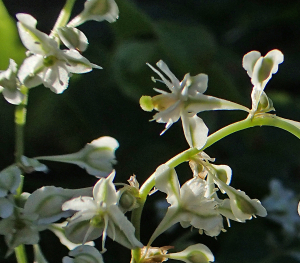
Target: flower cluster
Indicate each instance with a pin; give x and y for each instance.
(196, 203)
(100, 216)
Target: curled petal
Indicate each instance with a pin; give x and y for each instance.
(249, 61)
(73, 38)
(197, 84)
(166, 180)
(195, 130)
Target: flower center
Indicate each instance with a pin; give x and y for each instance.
(49, 61)
(97, 221)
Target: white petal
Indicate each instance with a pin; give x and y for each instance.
(76, 63)
(197, 83)
(6, 207)
(29, 69)
(76, 231)
(56, 77)
(58, 230)
(249, 61)
(164, 68)
(14, 97)
(195, 130)
(200, 102)
(83, 203)
(105, 191)
(166, 180)
(86, 254)
(123, 230)
(10, 179)
(73, 38)
(33, 39)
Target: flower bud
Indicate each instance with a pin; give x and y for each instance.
(197, 253)
(265, 103)
(97, 10)
(128, 197)
(96, 157)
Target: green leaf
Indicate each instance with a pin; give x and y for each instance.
(10, 45)
(187, 46)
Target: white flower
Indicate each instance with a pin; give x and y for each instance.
(97, 10)
(185, 101)
(47, 64)
(9, 84)
(20, 228)
(83, 254)
(281, 204)
(190, 204)
(241, 205)
(260, 70)
(197, 253)
(100, 215)
(96, 157)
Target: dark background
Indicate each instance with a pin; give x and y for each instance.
(196, 36)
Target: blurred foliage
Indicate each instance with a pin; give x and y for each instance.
(190, 36)
(10, 45)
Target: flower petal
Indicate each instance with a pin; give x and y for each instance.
(195, 130)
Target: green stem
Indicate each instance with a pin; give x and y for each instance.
(21, 254)
(20, 121)
(63, 17)
(264, 119)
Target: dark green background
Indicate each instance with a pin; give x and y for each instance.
(196, 36)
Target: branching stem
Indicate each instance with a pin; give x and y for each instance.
(262, 119)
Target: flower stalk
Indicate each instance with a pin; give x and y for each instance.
(20, 122)
(63, 17)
